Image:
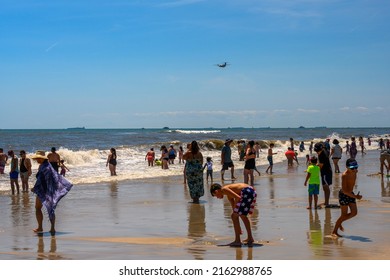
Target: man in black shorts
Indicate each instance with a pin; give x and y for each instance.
(226, 159)
(326, 170)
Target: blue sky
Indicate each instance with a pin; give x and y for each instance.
(133, 64)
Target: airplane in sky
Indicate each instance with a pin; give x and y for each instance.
(222, 65)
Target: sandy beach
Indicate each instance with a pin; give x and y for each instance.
(153, 219)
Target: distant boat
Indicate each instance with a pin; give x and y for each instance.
(301, 126)
(76, 128)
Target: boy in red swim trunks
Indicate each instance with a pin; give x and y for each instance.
(242, 198)
(347, 198)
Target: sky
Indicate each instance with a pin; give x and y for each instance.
(151, 64)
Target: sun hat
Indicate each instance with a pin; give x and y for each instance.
(39, 154)
(228, 140)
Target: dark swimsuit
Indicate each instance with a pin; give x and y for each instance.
(55, 165)
(345, 199)
(250, 163)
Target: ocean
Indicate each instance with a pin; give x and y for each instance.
(85, 151)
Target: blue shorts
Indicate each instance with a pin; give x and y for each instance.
(14, 175)
(314, 189)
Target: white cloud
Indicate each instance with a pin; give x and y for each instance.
(308, 110)
(361, 108)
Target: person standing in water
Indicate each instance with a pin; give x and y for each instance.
(112, 161)
(25, 170)
(54, 159)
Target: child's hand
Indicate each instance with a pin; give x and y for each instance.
(358, 196)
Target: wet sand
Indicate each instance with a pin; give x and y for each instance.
(153, 219)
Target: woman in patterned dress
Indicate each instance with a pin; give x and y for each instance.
(194, 171)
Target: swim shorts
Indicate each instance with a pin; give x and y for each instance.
(345, 199)
(24, 175)
(270, 160)
(14, 175)
(314, 189)
(226, 165)
(247, 202)
(326, 178)
(55, 165)
(2, 166)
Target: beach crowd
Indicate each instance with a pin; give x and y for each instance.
(51, 184)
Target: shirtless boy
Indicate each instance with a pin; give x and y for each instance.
(242, 198)
(270, 158)
(54, 159)
(347, 198)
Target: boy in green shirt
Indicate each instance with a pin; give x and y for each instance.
(313, 177)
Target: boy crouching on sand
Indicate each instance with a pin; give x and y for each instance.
(242, 198)
(313, 176)
(347, 198)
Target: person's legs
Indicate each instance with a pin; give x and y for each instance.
(345, 216)
(251, 178)
(12, 186)
(53, 222)
(237, 230)
(310, 201)
(315, 201)
(222, 174)
(246, 176)
(38, 214)
(340, 220)
(326, 190)
(24, 178)
(232, 171)
(336, 165)
(248, 228)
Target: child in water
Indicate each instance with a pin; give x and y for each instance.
(209, 165)
(63, 168)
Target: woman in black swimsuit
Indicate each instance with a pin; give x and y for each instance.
(250, 163)
(111, 162)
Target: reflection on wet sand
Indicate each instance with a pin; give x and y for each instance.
(244, 253)
(385, 189)
(52, 254)
(196, 229)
